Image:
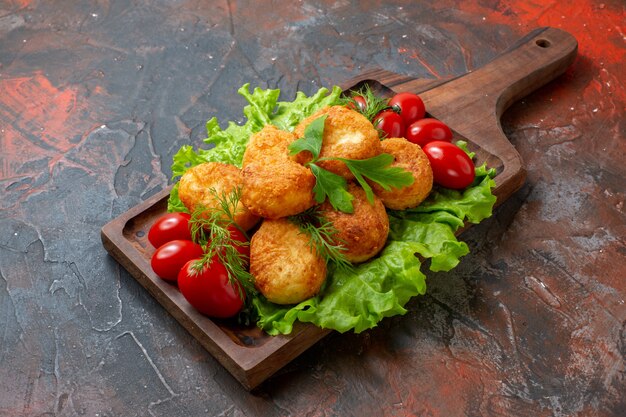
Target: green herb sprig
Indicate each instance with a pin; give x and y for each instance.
(211, 228)
(335, 187)
(322, 237)
(374, 104)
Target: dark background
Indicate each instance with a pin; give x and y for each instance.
(96, 97)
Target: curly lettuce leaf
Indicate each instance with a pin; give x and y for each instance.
(473, 204)
(173, 203)
(265, 108)
(357, 299)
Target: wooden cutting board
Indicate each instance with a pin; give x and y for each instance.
(470, 104)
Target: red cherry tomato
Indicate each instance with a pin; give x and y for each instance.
(390, 122)
(170, 258)
(360, 102)
(241, 243)
(208, 290)
(170, 226)
(427, 130)
(409, 105)
(452, 167)
(237, 235)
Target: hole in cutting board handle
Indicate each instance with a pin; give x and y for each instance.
(542, 43)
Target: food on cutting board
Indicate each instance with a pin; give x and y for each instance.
(285, 265)
(312, 211)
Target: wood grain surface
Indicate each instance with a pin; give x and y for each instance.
(98, 95)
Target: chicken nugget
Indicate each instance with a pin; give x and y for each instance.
(274, 185)
(347, 134)
(364, 232)
(269, 142)
(274, 188)
(199, 186)
(285, 268)
(412, 158)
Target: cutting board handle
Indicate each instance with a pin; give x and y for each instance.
(472, 104)
(533, 61)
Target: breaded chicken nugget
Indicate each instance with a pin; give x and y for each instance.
(269, 142)
(412, 158)
(364, 232)
(194, 189)
(347, 134)
(275, 189)
(274, 185)
(285, 268)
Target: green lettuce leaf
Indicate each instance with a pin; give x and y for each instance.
(357, 299)
(473, 204)
(173, 203)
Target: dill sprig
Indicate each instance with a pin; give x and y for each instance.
(373, 103)
(321, 234)
(211, 227)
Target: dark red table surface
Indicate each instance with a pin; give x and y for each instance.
(96, 97)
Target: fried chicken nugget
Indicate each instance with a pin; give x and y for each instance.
(194, 189)
(285, 268)
(364, 232)
(270, 142)
(274, 184)
(347, 134)
(412, 158)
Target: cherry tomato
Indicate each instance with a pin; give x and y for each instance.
(241, 242)
(360, 102)
(208, 290)
(452, 168)
(170, 226)
(237, 235)
(169, 258)
(390, 122)
(427, 130)
(409, 105)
